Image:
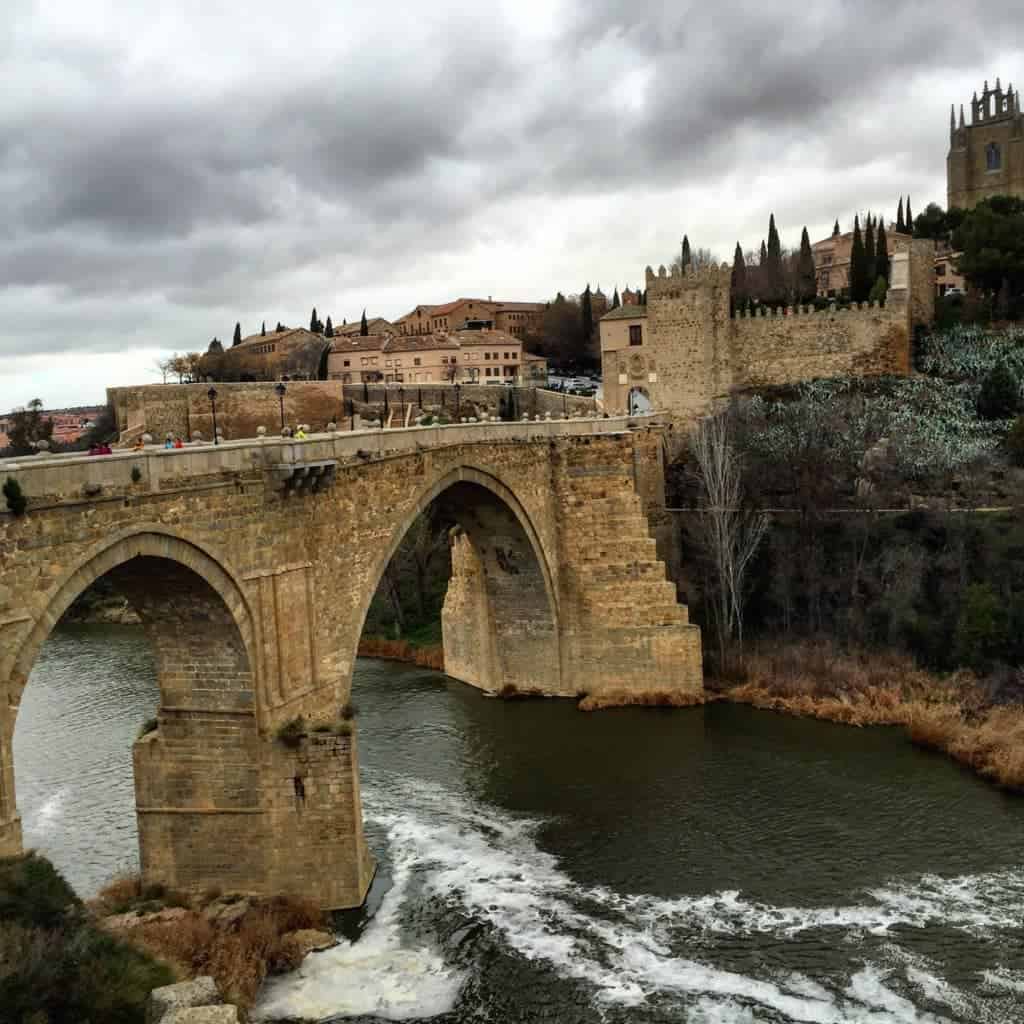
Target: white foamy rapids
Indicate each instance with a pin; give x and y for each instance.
(487, 863)
(375, 976)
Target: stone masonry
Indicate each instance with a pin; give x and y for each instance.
(252, 566)
(694, 353)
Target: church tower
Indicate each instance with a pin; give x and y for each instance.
(986, 157)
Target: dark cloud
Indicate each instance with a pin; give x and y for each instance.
(211, 166)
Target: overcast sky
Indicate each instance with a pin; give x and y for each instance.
(169, 168)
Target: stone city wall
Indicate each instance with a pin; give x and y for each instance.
(184, 409)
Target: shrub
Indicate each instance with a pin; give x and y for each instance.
(981, 630)
(148, 726)
(34, 892)
(999, 398)
(16, 500)
(1015, 442)
(291, 733)
(878, 290)
(136, 474)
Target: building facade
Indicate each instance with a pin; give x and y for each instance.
(986, 157)
(832, 261)
(519, 319)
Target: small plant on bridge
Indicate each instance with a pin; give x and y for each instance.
(16, 500)
(292, 732)
(136, 474)
(148, 726)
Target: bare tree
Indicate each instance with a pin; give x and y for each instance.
(699, 258)
(730, 532)
(163, 366)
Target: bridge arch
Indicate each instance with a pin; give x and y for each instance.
(502, 609)
(199, 629)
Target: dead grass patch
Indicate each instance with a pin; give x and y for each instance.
(644, 698)
(402, 650)
(950, 714)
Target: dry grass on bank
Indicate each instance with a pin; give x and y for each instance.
(950, 713)
(646, 698)
(238, 954)
(402, 650)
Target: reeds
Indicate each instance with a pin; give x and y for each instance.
(950, 714)
(402, 650)
(643, 698)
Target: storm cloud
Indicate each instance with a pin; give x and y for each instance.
(168, 169)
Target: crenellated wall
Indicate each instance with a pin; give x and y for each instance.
(694, 352)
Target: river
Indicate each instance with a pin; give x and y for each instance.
(714, 864)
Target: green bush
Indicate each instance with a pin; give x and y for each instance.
(981, 630)
(56, 966)
(1015, 442)
(148, 726)
(879, 290)
(16, 500)
(999, 398)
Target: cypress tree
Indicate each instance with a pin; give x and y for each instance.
(763, 256)
(869, 250)
(835, 228)
(615, 298)
(263, 329)
(237, 340)
(776, 275)
(739, 278)
(900, 226)
(364, 327)
(279, 327)
(587, 318)
(314, 323)
(807, 286)
(860, 284)
(882, 252)
(686, 258)
(910, 219)
(328, 331)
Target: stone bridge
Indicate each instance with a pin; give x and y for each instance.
(252, 565)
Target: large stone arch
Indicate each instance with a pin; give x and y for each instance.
(203, 757)
(474, 578)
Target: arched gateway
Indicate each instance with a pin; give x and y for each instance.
(252, 567)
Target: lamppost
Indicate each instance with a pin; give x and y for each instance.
(384, 418)
(352, 414)
(212, 396)
(565, 406)
(458, 388)
(280, 389)
(401, 406)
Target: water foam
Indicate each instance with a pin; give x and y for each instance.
(488, 864)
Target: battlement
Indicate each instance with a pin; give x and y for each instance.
(833, 309)
(693, 277)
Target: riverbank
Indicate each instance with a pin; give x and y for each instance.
(952, 714)
(236, 940)
(429, 655)
(56, 962)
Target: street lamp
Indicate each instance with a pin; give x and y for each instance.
(401, 405)
(212, 396)
(458, 388)
(352, 414)
(280, 389)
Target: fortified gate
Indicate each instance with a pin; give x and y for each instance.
(252, 565)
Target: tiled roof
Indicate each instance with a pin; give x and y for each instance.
(375, 325)
(470, 339)
(359, 343)
(626, 313)
(253, 339)
(419, 343)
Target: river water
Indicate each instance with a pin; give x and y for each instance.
(539, 864)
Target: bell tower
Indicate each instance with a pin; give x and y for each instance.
(986, 157)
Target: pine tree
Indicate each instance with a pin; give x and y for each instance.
(329, 328)
(900, 226)
(615, 298)
(739, 279)
(835, 229)
(869, 251)
(806, 283)
(763, 255)
(910, 219)
(860, 283)
(237, 340)
(687, 259)
(882, 252)
(364, 327)
(586, 318)
(775, 275)
(263, 329)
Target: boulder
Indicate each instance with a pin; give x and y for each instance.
(306, 940)
(170, 999)
(232, 914)
(226, 1014)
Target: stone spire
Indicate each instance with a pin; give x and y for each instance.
(952, 117)
(961, 115)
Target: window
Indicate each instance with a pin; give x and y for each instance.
(993, 156)
(346, 363)
(635, 334)
(940, 270)
(415, 362)
(387, 362)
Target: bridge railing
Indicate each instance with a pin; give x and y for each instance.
(47, 479)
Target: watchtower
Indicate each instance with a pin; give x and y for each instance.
(986, 157)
